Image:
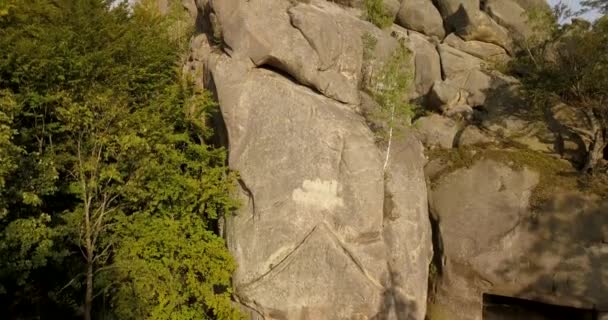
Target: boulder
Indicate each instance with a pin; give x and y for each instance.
(453, 10)
(450, 99)
(391, 7)
(427, 63)
(317, 43)
(472, 135)
(352, 3)
(421, 16)
(315, 238)
(465, 18)
(510, 15)
(455, 63)
(478, 84)
(437, 131)
(491, 194)
(482, 50)
(444, 93)
(466, 72)
(494, 243)
(483, 28)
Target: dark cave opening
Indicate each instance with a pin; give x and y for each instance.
(508, 308)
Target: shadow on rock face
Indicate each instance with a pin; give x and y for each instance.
(567, 253)
(496, 243)
(506, 308)
(395, 305)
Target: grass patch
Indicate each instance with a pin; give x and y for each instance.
(376, 13)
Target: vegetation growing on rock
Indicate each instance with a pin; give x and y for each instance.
(389, 88)
(555, 174)
(376, 13)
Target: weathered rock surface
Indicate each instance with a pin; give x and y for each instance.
(472, 135)
(483, 50)
(323, 235)
(493, 243)
(509, 117)
(427, 64)
(510, 15)
(435, 130)
(465, 18)
(454, 62)
(319, 45)
(327, 230)
(421, 16)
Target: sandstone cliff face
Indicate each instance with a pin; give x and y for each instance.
(325, 231)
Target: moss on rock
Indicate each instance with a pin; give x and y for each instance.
(555, 174)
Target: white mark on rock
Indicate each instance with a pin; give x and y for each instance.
(318, 193)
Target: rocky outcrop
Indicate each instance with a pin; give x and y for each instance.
(492, 242)
(326, 230)
(427, 64)
(320, 46)
(316, 239)
(331, 227)
(437, 131)
(465, 18)
(421, 16)
(483, 50)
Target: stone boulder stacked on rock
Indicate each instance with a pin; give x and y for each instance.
(421, 16)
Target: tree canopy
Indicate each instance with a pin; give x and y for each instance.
(110, 194)
(570, 65)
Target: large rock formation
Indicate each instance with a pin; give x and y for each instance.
(331, 226)
(326, 232)
(493, 242)
(318, 237)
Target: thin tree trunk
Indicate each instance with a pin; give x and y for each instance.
(596, 152)
(598, 142)
(89, 244)
(88, 297)
(390, 138)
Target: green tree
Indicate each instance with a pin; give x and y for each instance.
(102, 142)
(389, 86)
(571, 66)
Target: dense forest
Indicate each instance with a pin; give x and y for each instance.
(110, 192)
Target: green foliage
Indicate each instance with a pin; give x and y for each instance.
(183, 284)
(369, 46)
(570, 65)
(389, 87)
(376, 13)
(543, 24)
(104, 156)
